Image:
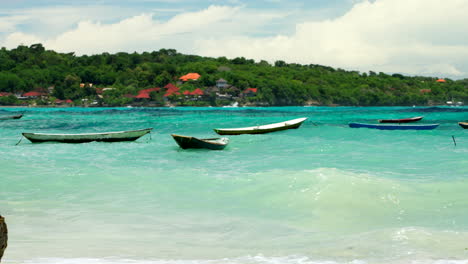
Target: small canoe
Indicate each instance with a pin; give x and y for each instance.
(403, 120)
(207, 143)
(11, 117)
(394, 127)
(130, 135)
(295, 123)
(463, 124)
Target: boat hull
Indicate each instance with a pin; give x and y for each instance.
(403, 120)
(394, 127)
(88, 137)
(207, 143)
(291, 124)
(463, 124)
(11, 117)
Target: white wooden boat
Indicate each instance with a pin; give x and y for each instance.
(294, 123)
(88, 137)
(401, 120)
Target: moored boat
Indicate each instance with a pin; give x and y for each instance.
(11, 117)
(186, 142)
(116, 136)
(463, 124)
(402, 120)
(294, 123)
(394, 127)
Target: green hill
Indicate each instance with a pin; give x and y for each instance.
(34, 68)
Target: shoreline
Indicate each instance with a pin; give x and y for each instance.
(224, 106)
(263, 106)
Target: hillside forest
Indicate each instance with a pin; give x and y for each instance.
(32, 75)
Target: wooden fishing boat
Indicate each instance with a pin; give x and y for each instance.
(11, 117)
(463, 124)
(207, 143)
(402, 120)
(394, 127)
(295, 123)
(88, 137)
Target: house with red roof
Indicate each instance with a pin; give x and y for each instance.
(190, 76)
(170, 86)
(197, 91)
(142, 96)
(441, 80)
(171, 90)
(145, 93)
(34, 94)
(249, 92)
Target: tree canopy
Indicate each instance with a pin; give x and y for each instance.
(24, 69)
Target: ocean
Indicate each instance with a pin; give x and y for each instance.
(321, 194)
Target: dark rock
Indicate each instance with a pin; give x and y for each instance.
(3, 236)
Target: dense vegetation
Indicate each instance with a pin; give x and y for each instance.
(26, 68)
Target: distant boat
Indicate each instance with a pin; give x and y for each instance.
(11, 117)
(402, 120)
(235, 104)
(463, 124)
(394, 127)
(207, 143)
(88, 137)
(295, 123)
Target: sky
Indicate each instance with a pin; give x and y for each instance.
(410, 37)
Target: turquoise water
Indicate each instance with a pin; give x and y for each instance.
(323, 193)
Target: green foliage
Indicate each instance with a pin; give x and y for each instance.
(9, 100)
(10, 82)
(26, 68)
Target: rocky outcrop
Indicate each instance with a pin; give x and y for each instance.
(3, 236)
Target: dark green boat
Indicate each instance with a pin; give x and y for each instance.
(11, 117)
(206, 143)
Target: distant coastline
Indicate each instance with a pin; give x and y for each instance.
(41, 77)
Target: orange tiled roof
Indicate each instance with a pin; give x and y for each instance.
(190, 76)
(254, 90)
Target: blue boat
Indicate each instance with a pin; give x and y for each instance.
(394, 127)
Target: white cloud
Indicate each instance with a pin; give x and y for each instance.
(144, 33)
(384, 35)
(50, 21)
(19, 38)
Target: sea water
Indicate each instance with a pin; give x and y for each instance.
(323, 193)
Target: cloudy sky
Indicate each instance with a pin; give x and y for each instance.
(413, 37)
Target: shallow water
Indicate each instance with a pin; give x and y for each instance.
(323, 193)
